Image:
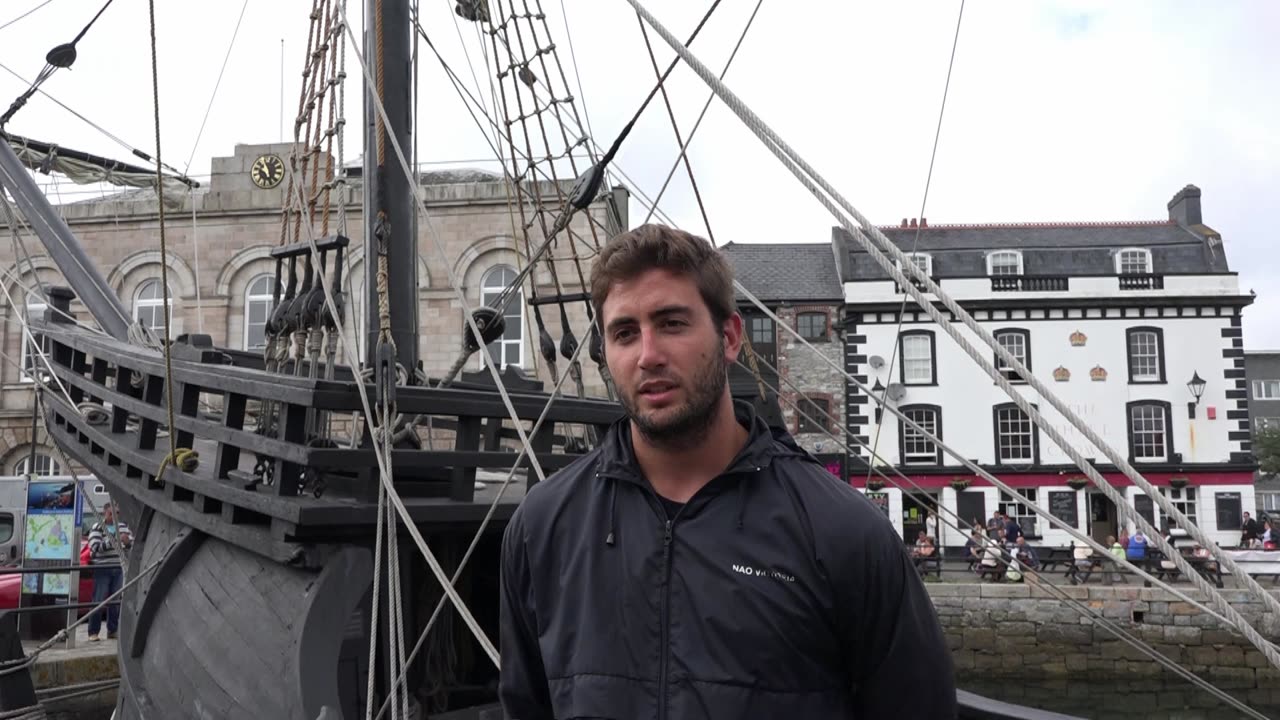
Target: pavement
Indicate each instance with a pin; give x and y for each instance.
(86, 662)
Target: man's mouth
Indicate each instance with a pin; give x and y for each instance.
(656, 388)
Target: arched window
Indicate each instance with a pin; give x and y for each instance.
(31, 362)
(509, 349)
(1133, 261)
(148, 305)
(258, 305)
(44, 465)
(1004, 262)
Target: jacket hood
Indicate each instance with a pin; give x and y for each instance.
(617, 456)
(617, 462)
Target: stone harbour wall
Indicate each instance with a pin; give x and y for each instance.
(1024, 631)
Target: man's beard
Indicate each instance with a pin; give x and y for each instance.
(690, 424)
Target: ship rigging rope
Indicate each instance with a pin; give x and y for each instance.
(66, 53)
(829, 198)
(493, 507)
(828, 419)
(1265, 646)
(23, 15)
(8, 667)
(178, 456)
(915, 242)
(1046, 583)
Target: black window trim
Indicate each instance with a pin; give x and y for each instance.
(933, 358)
(995, 436)
(1010, 374)
(826, 325)
(1168, 430)
(820, 416)
(902, 434)
(1128, 352)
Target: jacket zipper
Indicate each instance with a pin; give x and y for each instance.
(666, 620)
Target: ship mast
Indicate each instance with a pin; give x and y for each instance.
(390, 218)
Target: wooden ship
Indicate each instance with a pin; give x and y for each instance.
(293, 531)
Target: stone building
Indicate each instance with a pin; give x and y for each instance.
(801, 285)
(1262, 373)
(221, 274)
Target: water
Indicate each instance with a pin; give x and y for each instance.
(1159, 698)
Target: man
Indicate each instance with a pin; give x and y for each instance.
(694, 565)
(1249, 531)
(104, 538)
(1027, 554)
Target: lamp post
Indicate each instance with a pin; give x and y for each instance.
(1196, 386)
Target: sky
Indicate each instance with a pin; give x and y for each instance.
(1057, 110)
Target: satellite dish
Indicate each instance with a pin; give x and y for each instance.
(897, 391)
(877, 362)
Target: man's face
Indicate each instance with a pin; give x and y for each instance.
(666, 355)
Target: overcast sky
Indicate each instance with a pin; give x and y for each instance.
(1058, 110)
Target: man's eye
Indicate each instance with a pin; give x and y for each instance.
(622, 335)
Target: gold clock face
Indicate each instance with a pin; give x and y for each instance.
(267, 171)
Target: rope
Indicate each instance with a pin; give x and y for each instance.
(46, 2)
(915, 242)
(484, 522)
(829, 197)
(373, 616)
(164, 248)
(1264, 645)
(684, 147)
(11, 666)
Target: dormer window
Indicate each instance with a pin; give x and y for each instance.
(1004, 262)
(1133, 261)
(921, 260)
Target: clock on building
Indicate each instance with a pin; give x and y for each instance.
(267, 171)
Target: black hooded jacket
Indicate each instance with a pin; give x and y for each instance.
(777, 591)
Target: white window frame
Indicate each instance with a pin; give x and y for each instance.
(1019, 508)
(915, 258)
(139, 303)
(907, 361)
(1030, 436)
(991, 262)
(927, 418)
(1023, 355)
(1185, 500)
(250, 297)
(45, 465)
(1120, 260)
(1269, 502)
(1156, 344)
(30, 353)
(1266, 389)
(1160, 418)
(489, 289)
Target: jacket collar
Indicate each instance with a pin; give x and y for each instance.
(618, 459)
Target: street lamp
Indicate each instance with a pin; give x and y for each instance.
(1196, 386)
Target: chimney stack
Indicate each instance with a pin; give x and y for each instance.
(913, 222)
(904, 222)
(924, 222)
(1184, 208)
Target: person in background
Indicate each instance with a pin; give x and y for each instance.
(931, 525)
(1124, 539)
(973, 549)
(1250, 529)
(1136, 550)
(1027, 554)
(1083, 563)
(1116, 548)
(1012, 530)
(106, 539)
(1268, 536)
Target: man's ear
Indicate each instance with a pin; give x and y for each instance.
(732, 338)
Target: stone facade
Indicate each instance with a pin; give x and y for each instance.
(219, 239)
(1025, 632)
(812, 375)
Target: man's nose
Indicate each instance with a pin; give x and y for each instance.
(651, 352)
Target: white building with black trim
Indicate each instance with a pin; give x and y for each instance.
(1135, 325)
